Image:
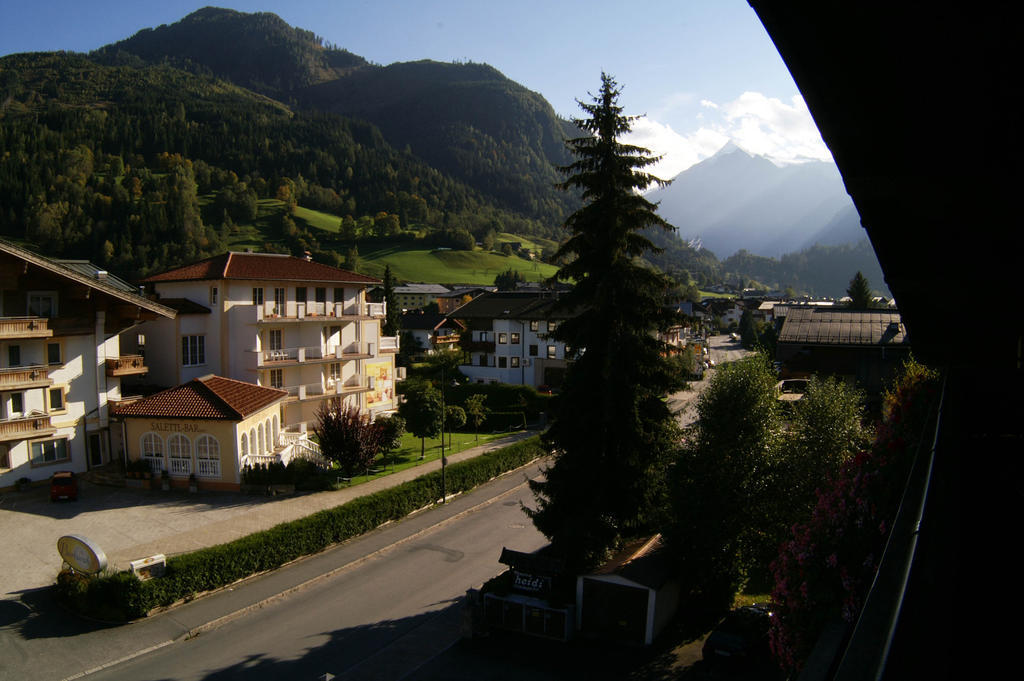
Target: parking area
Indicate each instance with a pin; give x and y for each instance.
(126, 523)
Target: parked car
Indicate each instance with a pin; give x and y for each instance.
(741, 636)
(63, 485)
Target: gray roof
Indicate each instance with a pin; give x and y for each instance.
(422, 288)
(838, 326)
(512, 305)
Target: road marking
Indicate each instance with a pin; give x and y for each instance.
(124, 659)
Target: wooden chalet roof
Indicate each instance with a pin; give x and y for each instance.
(838, 326)
(512, 305)
(260, 266)
(209, 397)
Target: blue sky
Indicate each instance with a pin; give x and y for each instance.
(703, 71)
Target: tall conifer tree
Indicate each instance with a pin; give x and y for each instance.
(860, 293)
(612, 434)
(392, 316)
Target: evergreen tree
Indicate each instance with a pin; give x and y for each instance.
(612, 434)
(860, 293)
(392, 313)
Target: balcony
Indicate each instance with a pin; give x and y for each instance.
(291, 311)
(449, 339)
(389, 343)
(280, 357)
(25, 378)
(126, 365)
(24, 327)
(329, 388)
(24, 427)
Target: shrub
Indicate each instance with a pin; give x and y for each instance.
(121, 596)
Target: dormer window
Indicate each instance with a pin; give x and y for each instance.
(42, 303)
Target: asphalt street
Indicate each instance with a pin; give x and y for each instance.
(372, 608)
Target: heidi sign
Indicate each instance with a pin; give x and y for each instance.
(81, 554)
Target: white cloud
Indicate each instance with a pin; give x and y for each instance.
(785, 133)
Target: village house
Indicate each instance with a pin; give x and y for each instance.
(431, 332)
(62, 324)
(276, 321)
(208, 429)
(507, 338)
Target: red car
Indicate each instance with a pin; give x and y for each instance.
(63, 485)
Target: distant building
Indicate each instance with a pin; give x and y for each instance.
(416, 296)
(458, 297)
(507, 338)
(62, 324)
(863, 347)
(431, 332)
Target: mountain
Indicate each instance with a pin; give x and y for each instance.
(466, 120)
(736, 200)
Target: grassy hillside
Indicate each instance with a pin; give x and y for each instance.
(411, 263)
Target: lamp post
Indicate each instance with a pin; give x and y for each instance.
(444, 459)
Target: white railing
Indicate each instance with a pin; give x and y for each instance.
(376, 309)
(265, 459)
(181, 466)
(295, 310)
(156, 465)
(389, 343)
(208, 468)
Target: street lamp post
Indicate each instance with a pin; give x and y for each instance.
(444, 459)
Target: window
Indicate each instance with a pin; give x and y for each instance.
(300, 294)
(339, 295)
(245, 445)
(483, 360)
(207, 457)
(213, 295)
(552, 326)
(320, 294)
(502, 338)
(552, 352)
(15, 404)
(515, 362)
(42, 303)
(5, 457)
(53, 353)
(193, 350)
(277, 378)
(14, 355)
(257, 295)
(279, 303)
(179, 449)
(49, 451)
(533, 351)
(534, 325)
(56, 399)
(153, 451)
(515, 339)
(483, 336)
(503, 362)
(334, 371)
(275, 339)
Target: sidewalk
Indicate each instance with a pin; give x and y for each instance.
(129, 524)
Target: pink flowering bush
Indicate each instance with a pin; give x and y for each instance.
(827, 565)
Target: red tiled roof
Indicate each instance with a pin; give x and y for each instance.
(210, 397)
(260, 266)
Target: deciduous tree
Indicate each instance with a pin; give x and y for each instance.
(476, 412)
(347, 437)
(421, 410)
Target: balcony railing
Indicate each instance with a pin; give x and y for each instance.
(22, 427)
(24, 378)
(208, 468)
(271, 312)
(389, 343)
(24, 327)
(446, 339)
(126, 365)
(328, 388)
(312, 353)
(180, 466)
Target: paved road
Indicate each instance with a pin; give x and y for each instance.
(682, 403)
(373, 608)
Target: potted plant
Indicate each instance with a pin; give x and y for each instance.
(22, 484)
(165, 480)
(193, 485)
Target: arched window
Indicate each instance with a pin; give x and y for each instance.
(153, 451)
(259, 433)
(207, 457)
(179, 450)
(277, 431)
(245, 446)
(270, 435)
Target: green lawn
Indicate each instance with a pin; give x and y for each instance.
(408, 456)
(313, 218)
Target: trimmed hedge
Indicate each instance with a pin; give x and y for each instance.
(122, 596)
